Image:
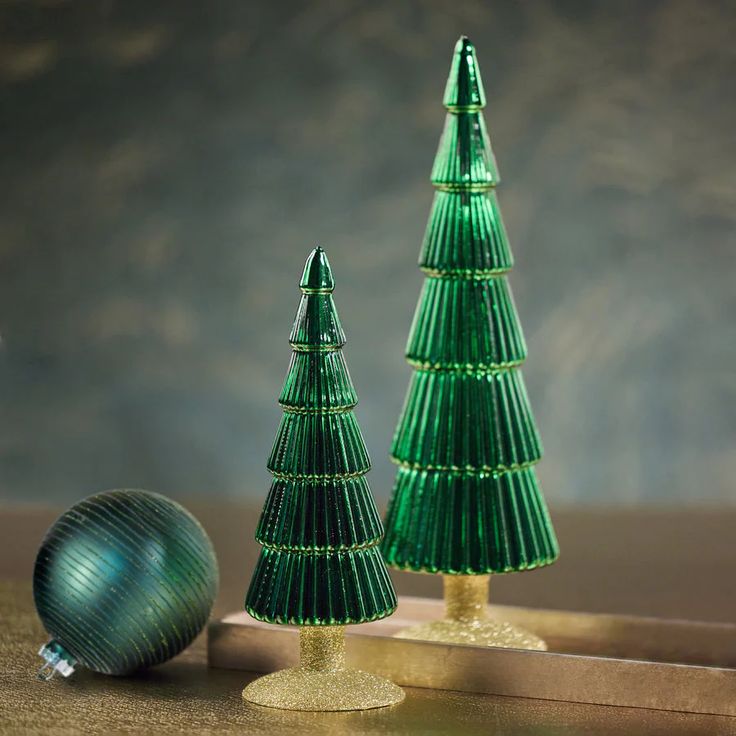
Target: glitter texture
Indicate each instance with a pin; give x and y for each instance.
(322, 682)
(467, 619)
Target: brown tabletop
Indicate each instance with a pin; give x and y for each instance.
(677, 563)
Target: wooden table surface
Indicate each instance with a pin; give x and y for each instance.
(669, 563)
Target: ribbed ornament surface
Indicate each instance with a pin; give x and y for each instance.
(468, 324)
(124, 580)
(468, 524)
(465, 235)
(502, 434)
(319, 529)
(466, 500)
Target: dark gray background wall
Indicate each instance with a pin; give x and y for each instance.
(166, 167)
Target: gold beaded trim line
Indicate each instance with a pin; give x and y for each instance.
(481, 369)
(465, 274)
(321, 551)
(464, 108)
(451, 187)
(299, 347)
(318, 477)
(494, 472)
(346, 409)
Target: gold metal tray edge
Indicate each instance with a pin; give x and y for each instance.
(599, 659)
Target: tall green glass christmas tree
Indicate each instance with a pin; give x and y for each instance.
(466, 502)
(320, 566)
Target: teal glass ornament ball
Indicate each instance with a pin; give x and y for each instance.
(123, 580)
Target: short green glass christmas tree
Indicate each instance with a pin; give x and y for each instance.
(466, 503)
(320, 566)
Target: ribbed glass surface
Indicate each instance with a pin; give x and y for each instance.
(330, 514)
(465, 235)
(318, 445)
(317, 325)
(464, 157)
(466, 499)
(478, 422)
(319, 529)
(452, 523)
(466, 323)
(124, 580)
(317, 381)
(349, 587)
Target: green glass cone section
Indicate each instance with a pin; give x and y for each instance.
(468, 324)
(318, 446)
(466, 499)
(465, 235)
(339, 588)
(480, 422)
(318, 381)
(464, 157)
(468, 524)
(317, 326)
(319, 530)
(329, 514)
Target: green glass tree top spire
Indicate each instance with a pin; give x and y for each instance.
(466, 500)
(320, 563)
(317, 276)
(464, 90)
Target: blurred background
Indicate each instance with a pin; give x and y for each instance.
(166, 167)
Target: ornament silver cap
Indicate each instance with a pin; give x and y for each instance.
(56, 659)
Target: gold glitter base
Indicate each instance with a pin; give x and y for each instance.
(467, 620)
(303, 689)
(322, 682)
(480, 633)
